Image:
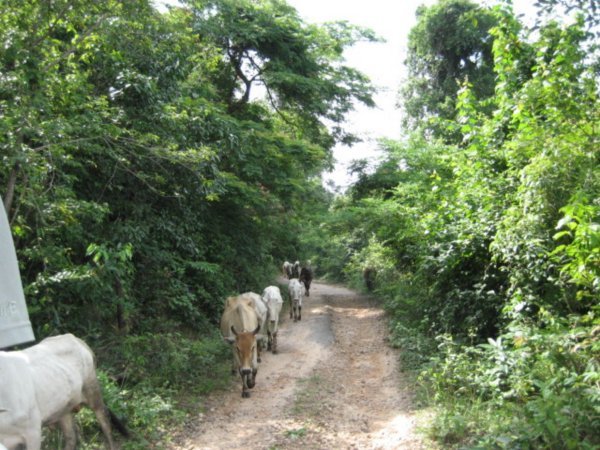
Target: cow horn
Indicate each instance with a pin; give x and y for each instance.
(256, 330)
(233, 330)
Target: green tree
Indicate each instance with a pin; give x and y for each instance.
(450, 44)
(299, 66)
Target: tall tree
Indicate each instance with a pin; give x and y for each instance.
(299, 66)
(450, 44)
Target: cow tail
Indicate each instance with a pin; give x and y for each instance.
(117, 423)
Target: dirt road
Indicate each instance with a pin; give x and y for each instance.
(335, 384)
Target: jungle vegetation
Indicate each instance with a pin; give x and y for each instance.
(154, 162)
(481, 230)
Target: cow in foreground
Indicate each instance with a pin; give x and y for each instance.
(42, 385)
(240, 327)
(295, 291)
(272, 297)
(306, 276)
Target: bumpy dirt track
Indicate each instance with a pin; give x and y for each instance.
(335, 384)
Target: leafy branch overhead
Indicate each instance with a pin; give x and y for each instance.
(269, 52)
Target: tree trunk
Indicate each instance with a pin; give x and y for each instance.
(10, 188)
(121, 320)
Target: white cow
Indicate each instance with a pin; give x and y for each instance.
(272, 297)
(42, 385)
(262, 313)
(296, 269)
(287, 269)
(295, 291)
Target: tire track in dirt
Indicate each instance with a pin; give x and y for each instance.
(335, 384)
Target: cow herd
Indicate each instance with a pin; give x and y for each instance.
(44, 384)
(250, 321)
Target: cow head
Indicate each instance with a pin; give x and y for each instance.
(246, 354)
(245, 348)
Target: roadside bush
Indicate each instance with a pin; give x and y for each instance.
(530, 388)
(172, 360)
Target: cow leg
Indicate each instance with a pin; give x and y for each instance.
(31, 441)
(104, 422)
(299, 312)
(259, 348)
(274, 345)
(245, 391)
(69, 430)
(269, 340)
(252, 378)
(94, 400)
(248, 381)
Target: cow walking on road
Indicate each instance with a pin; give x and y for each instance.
(295, 291)
(272, 297)
(306, 276)
(296, 270)
(240, 326)
(287, 269)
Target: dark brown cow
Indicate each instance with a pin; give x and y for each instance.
(306, 276)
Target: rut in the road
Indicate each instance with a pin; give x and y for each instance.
(335, 384)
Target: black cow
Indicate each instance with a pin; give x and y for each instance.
(306, 276)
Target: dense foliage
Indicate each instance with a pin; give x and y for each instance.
(144, 181)
(450, 43)
(486, 248)
(154, 163)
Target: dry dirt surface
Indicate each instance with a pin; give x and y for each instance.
(335, 384)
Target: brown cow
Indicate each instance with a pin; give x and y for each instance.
(240, 326)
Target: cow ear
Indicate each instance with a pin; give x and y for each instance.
(233, 330)
(256, 330)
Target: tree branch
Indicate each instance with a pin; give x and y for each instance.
(73, 47)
